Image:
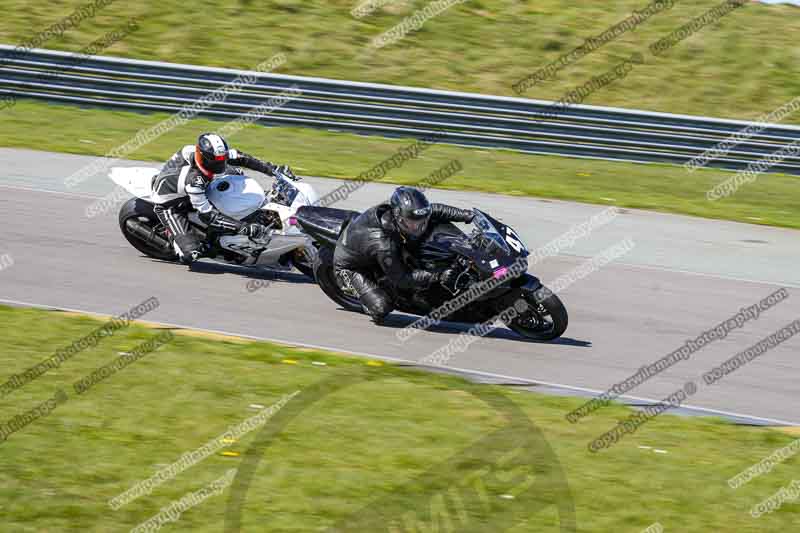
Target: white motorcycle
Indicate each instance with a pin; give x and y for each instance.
(237, 196)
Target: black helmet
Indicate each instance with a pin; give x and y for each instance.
(211, 153)
(411, 211)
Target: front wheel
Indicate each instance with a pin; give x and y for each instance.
(544, 320)
(326, 279)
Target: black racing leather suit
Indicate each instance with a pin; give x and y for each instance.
(179, 179)
(372, 243)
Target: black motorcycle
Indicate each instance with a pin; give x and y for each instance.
(492, 266)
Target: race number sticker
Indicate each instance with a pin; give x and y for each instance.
(513, 240)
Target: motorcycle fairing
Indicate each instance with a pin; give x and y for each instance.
(236, 195)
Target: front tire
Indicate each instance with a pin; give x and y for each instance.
(326, 279)
(544, 320)
(141, 212)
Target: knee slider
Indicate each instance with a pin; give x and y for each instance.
(189, 246)
(377, 303)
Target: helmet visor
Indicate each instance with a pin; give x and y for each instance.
(413, 227)
(215, 164)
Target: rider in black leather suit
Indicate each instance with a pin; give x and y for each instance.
(376, 238)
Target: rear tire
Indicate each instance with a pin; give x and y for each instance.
(545, 320)
(142, 211)
(326, 279)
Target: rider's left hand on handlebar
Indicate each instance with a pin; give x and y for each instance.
(286, 171)
(448, 277)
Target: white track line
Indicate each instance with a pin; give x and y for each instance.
(415, 363)
(702, 274)
(50, 191)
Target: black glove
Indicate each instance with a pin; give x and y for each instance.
(470, 217)
(269, 169)
(286, 171)
(254, 231)
(423, 278)
(447, 277)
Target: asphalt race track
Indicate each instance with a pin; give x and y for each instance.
(685, 275)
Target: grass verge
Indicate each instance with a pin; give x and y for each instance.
(739, 67)
(772, 200)
(392, 436)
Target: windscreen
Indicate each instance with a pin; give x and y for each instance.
(489, 232)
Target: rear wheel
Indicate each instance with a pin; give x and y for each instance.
(142, 229)
(326, 279)
(544, 320)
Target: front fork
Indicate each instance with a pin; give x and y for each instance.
(529, 283)
(525, 287)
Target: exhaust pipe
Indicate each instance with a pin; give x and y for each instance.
(146, 233)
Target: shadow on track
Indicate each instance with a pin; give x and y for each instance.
(248, 272)
(398, 320)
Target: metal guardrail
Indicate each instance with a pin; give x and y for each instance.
(458, 118)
